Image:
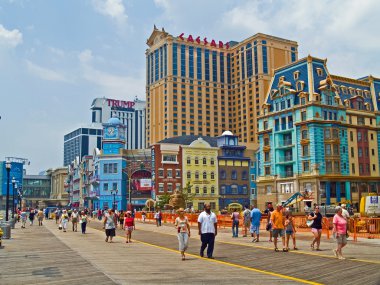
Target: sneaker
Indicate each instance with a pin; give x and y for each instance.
(335, 253)
(341, 257)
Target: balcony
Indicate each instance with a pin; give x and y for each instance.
(287, 159)
(288, 173)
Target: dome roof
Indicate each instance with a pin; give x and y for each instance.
(227, 133)
(114, 121)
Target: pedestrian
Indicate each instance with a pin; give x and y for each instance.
(183, 230)
(268, 211)
(290, 230)
(316, 227)
(57, 216)
(129, 226)
(121, 219)
(23, 218)
(255, 224)
(83, 220)
(157, 215)
(46, 213)
(74, 220)
(235, 223)
(100, 215)
(207, 229)
(32, 213)
(339, 231)
(109, 224)
(143, 215)
(278, 224)
(40, 217)
(64, 220)
(246, 219)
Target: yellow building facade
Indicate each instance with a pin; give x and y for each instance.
(197, 86)
(200, 170)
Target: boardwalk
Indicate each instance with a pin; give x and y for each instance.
(44, 255)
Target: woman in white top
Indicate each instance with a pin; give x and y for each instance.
(183, 228)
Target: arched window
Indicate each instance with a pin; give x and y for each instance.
(204, 175)
(196, 190)
(244, 175)
(212, 175)
(222, 174)
(234, 175)
(222, 190)
(196, 160)
(212, 190)
(197, 175)
(212, 161)
(205, 190)
(204, 161)
(188, 160)
(188, 175)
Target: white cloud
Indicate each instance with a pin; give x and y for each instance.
(85, 56)
(45, 73)
(111, 8)
(10, 38)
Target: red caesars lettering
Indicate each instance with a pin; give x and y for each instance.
(205, 41)
(190, 39)
(181, 36)
(220, 44)
(198, 39)
(213, 44)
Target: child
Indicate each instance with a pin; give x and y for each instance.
(290, 229)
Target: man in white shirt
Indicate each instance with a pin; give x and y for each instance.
(208, 229)
(345, 213)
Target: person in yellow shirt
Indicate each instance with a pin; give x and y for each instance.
(278, 224)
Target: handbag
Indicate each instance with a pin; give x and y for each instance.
(309, 223)
(60, 227)
(268, 227)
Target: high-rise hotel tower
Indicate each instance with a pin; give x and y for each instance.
(200, 86)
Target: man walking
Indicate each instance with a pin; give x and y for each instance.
(208, 229)
(255, 224)
(278, 224)
(74, 220)
(246, 219)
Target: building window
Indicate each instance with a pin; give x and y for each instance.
(306, 166)
(188, 160)
(169, 158)
(336, 166)
(266, 141)
(161, 187)
(196, 161)
(267, 170)
(253, 191)
(352, 152)
(212, 190)
(351, 136)
(223, 174)
(373, 167)
(304, 134)
(205, 190)
(303, 116)
(359, 136)
(188, 175)
(212, 161)
(212, 176)
(114, 186)
(253, 177)
(361, 120)
(234, 175)
(105, 186)
(234, 189)
(327, 149)
(169, 173)
(245, 190)
(110, 168)
(204, 175)
(265, 125)
(336, 149)
(305, 150)
(196, 190)
(178, 173)
(353, 168)
(170, 187)
(266, 156)
(160, 173)
(204, 161)
(360, 152)
(196, 175)
(244, 175)
(328, 166)
(268, 189)
(327, 134)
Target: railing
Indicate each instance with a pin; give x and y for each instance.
(287, 142)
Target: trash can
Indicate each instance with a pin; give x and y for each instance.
(6, 228)
(12, 222)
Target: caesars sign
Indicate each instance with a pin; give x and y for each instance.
(198, 40)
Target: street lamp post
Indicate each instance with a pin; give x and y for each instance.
(14, 186)
(114, 193)
(8, 168)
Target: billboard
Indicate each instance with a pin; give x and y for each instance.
(141, 180)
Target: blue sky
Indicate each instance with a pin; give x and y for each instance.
(56, 56)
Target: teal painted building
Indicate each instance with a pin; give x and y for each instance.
(318, 135)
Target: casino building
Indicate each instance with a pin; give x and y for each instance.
(319, 135)
(197, 86)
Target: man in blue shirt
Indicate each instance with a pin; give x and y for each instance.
(255, 224)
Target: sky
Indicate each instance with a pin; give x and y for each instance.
(57, 56)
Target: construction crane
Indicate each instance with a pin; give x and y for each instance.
(24, 161)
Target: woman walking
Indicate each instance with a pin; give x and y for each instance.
(121, 219)
(235, 223)
(183, 229)
(339, 230)
(290, 230)
(109, 224)
(129, 226)
(83, 221)
(316, 227)
(64, 220)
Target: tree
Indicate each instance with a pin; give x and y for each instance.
(163, 200)
(186, 194)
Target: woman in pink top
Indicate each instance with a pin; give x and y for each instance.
(235, 223)
(339, 230)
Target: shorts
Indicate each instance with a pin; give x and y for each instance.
(110, 232)
(129, 229)
(278, 232)
(247, 223)
(255, 229)
(341, 239)
(289, 232)
(74, 220)
(314, 230)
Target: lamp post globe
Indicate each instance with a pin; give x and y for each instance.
(8, 168)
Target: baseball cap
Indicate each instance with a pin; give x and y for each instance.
(279, 205)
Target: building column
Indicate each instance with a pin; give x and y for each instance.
(328, 189)
(348, 190)
(337, 190)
